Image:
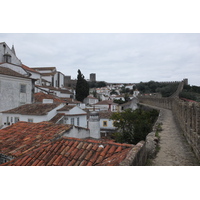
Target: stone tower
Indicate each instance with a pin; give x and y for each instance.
(92, 77)
(94, 125)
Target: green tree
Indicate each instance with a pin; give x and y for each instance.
(82, 87)
(133, 126)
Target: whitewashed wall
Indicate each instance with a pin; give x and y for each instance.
(35, 118)
(109, 124)
(77, 132)
(75, 113)
(3, 50)
(10, 96)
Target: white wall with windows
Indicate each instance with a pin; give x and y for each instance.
(75, 116)
(106, 124)
(14, 91)
(9, 118)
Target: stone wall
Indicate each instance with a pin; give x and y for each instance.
(187, 115)
(137, 155)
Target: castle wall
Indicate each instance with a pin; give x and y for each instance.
(187, 115)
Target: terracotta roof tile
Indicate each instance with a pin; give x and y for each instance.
(29, 69)
(105, 114)
(57, 117)
(103, 153)
(83, 163)
(73, 152)
(79, 153)
(33, 109)
(72, 163)
(23, 137)
(10, 72)
(40, 96)
(66, 108)
(106, 102)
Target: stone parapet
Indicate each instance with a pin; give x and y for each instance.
(137, 155)
(187, 114)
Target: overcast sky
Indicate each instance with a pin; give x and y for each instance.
(131, 57)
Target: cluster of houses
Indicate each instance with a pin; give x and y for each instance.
(39, 95)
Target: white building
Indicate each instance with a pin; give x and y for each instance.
(74, 115)
(15, 89)
(132, 104)
(31, 113)
(50, 74)
(117, 97)
(106, 124)
(89, 100)
(129, 86)
(33, 74)
(106, 105)
(59, 92)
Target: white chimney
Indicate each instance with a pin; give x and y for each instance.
(94, 125)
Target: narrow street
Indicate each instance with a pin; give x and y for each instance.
(174, 149)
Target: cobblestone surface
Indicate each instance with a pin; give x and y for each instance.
(174, 149)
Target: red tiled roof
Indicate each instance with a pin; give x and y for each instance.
(105, 114)
(33, 109)
(22, 137)
(57, 117)
(75, 152)
(29, 69)
(66, 108)
(40, 96)
(105, 102)
(10, 72)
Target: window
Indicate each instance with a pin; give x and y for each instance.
(16, 119)
(72, 121)
(105, 123)
(30, 120)
(7, 58)
(8, 123)
(77, 121)
(23, 88)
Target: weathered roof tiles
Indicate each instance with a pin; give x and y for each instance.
(40, 96)
(33, 109)
(22, 137)
(75, 152)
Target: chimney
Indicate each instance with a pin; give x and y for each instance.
(94, 125)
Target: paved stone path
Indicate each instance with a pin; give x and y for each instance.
(174, 149)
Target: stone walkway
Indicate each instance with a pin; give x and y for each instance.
(174, 149)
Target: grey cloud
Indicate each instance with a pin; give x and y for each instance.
(114, 57)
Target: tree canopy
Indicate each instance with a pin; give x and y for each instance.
(191, 92)
(82, 87)
(133, 125)
(166, 89)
